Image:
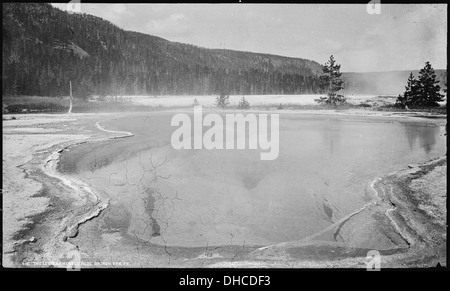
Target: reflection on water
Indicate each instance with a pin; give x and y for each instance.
(423, 135)
(228, 197)
(331, 133)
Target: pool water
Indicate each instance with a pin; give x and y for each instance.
(193, 198)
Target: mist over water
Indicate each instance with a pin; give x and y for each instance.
(383, 83)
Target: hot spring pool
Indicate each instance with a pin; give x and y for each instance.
(194, 198)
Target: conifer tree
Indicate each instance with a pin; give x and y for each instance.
(423, 91)
(429, 90)
(222, 100)
(243, 103)
(411, 92)
(196, 102)
(331, 83)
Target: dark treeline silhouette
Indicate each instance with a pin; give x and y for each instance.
(44, 48)
(423, 91)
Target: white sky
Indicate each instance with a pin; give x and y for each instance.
(402, 37)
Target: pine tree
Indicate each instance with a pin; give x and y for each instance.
(445, 89)
(331, 83)
(222, 101)
(195, 103)
(411, 93)
(411, 90)
(243, 103)
(428, 89)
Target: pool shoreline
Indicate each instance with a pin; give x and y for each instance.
(55, 159)
(426, 235)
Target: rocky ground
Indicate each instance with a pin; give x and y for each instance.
(41, 208)
(418, 196)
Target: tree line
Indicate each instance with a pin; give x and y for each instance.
(44, 48)
(423, 91)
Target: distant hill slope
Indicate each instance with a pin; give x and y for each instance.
(44, 48)
(382, 83)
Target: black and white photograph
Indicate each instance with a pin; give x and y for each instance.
(229, 136)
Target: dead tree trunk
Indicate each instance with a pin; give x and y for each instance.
(70, 98)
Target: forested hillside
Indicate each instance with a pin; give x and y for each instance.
(44, 48)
